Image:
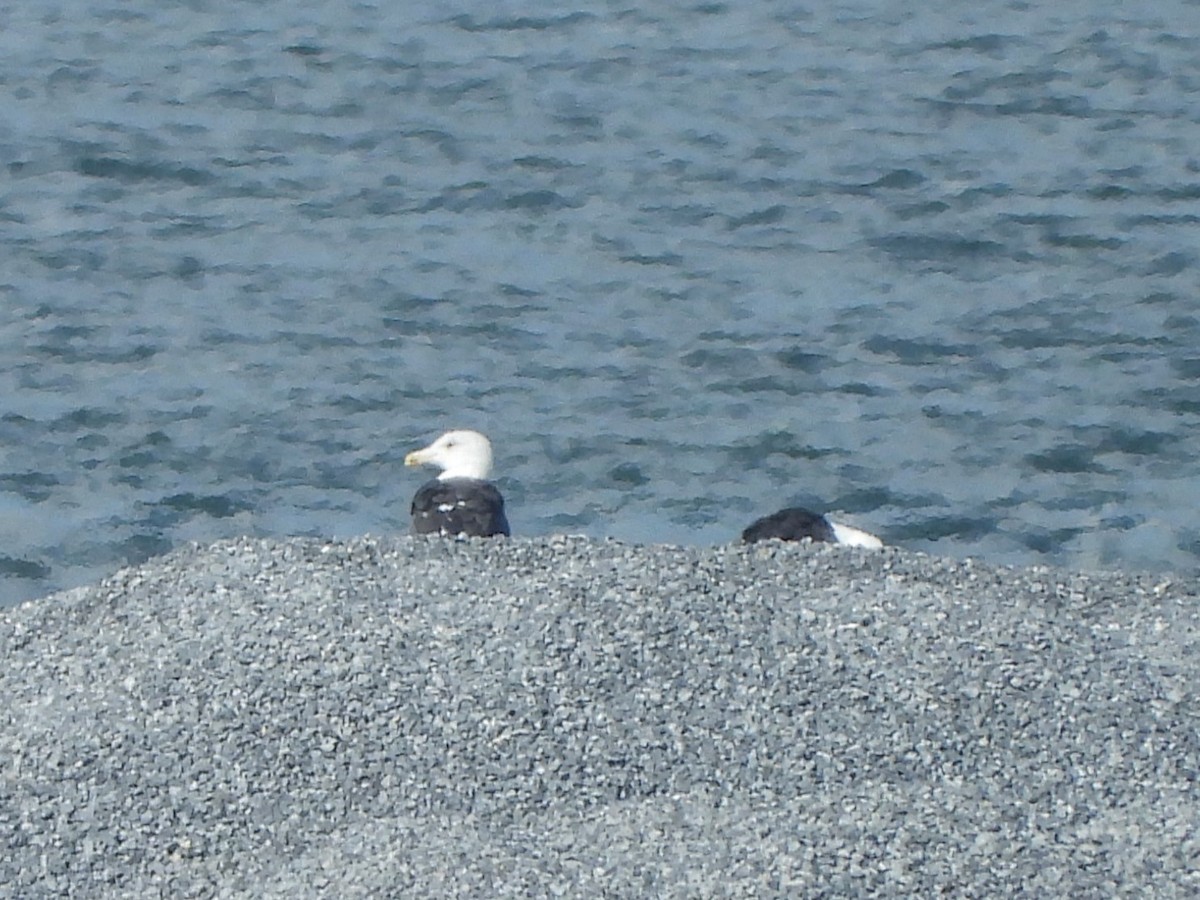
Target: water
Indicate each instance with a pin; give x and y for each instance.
(933, 268)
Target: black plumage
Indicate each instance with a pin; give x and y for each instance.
(467, 506)
(791, 524)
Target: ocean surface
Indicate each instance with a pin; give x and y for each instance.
(934, 267)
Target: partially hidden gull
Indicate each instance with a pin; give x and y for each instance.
(460, 500)
(796, 524)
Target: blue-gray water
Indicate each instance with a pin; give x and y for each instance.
(933, 266)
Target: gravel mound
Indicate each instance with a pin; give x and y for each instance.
(566, 717)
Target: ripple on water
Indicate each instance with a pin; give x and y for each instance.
(943, 284)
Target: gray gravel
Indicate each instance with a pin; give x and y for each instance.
(565, 717)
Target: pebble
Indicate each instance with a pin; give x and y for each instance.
(571, 717)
